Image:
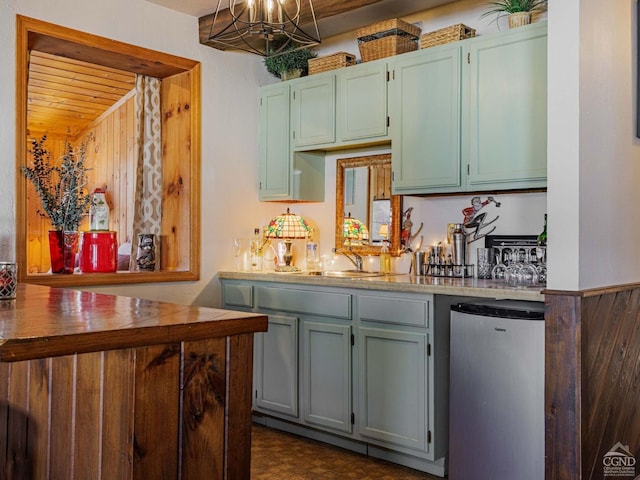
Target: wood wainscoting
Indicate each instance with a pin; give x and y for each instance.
(592, 397)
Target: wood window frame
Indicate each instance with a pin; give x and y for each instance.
(38, 35)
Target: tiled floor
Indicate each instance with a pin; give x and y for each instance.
(277, 455)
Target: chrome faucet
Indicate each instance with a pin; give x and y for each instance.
(356, 260)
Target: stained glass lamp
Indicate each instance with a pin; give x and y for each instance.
(354, 231)
(287, 227)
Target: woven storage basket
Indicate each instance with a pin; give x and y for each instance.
(387, 38)
(331, 62)
(449, 34)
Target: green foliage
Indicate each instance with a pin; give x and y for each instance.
(289, 60)
(506, 7)
(61, 187)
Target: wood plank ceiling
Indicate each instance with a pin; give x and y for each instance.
(65, 95)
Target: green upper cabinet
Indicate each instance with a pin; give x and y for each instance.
(285, 174)
(313, 110)
(425, 121)
(362, 102)
(505, 119)
(274, 152)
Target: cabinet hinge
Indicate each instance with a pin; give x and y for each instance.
(428, 349)
(428, 436)
(353, 418)
(353, 339)
(469, 57)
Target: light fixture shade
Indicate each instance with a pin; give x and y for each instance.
(384, 231)
(264, 27)
(353, 230)
(288, 225)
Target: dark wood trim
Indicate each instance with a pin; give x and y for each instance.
(592, 371)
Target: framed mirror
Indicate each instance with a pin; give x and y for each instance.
(363, 197)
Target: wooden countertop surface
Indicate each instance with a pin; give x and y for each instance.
(45, 322)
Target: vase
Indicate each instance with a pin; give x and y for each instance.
(146, 259)
(290, 74)
(519, 19)
(63, 247)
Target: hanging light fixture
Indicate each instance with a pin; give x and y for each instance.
(264, 27)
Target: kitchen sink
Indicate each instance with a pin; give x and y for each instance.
(345, 274)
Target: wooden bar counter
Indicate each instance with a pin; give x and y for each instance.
(96, 386)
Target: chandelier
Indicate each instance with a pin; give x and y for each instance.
(264, 27)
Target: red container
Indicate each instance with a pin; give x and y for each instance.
(99, 252)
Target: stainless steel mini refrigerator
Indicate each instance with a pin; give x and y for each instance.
(496, 414)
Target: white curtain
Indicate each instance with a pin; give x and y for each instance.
(148, 194)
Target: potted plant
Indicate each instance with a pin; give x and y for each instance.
(291, 63)
(65, 200)
(518, 11)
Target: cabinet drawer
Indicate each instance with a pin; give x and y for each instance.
(336, 305)
(237, 295)
(398, 311)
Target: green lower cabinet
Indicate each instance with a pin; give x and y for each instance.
(393, 375)
(362, 369)
(276, 367)
(326, 373)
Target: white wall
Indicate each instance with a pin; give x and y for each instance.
(593, 156)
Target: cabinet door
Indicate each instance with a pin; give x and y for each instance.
(362, 101)
(425, 121)
(393, 387)
(313, 110)
(274, 158)
(507, 124)
(276, 366)
(326, 373)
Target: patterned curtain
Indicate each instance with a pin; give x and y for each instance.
(148, 193)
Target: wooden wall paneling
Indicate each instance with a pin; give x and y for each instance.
(63, 400)
(17, 424)
(156, 426)
(613, 348)
(118, 414)
(176, 177)
(204, 397)
(39, 417)
(240, 371)
(5, 374)
(563, 384)
(88, 418)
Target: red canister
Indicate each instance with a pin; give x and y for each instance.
(99, 252)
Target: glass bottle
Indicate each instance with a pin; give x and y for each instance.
(385, 258)
(256, 251)
(99, 211)
(542, 238)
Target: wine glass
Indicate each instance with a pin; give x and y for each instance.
(238, 251)
(499, 270)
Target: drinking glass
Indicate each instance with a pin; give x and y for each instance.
(239, 250)
(485, 258)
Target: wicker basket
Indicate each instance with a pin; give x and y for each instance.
(331, 62)
(387, 38)
(449, 34)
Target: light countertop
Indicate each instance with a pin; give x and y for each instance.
(400, 283)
